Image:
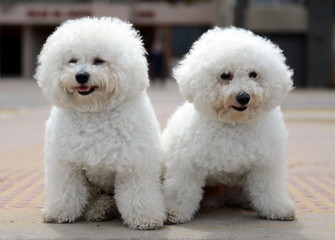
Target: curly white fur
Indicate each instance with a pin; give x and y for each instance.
(102, 134)
(215, 138)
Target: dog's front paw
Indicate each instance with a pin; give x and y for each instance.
(47, 218)
(58, 217)
(174, 217)
(147, 223)
(284, 213)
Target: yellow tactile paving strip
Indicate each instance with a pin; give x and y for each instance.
(22, 183)
(21, 178)
(313, 193)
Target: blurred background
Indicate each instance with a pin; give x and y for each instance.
(304, 29)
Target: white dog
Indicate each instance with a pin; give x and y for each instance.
(230, 132)
(102, 138)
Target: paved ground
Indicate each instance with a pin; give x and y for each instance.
(310, 118)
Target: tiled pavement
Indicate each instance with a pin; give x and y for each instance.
(310, 118)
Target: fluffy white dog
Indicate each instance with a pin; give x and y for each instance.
(231, 131)
(102, 138)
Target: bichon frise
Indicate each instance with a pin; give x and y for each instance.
(102, 138)
(231, 131)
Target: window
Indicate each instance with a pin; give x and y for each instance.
(275, 2)
(184, 37)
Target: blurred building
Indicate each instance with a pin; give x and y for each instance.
(296, 25)
(25, 25)
(304, 29)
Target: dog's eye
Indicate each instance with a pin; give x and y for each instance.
(73, 60)
(227, 76)
(252, 74)
(98, 61)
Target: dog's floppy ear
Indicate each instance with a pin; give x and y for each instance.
(280, 77)
(183, 77)
(130, 66)
(189, 70)
(284, 84)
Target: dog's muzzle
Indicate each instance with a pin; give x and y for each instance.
(243, 99)
(85, 90)
(82, 78)
(240, 109)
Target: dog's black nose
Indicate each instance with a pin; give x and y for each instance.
(82, 77)
(243, 98)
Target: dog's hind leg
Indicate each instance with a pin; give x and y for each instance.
(100, 207)
(225, 196)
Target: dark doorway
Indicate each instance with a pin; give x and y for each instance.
(293, 46)
(155, 57)
(41, 33)
(10, 51)
(148, 35)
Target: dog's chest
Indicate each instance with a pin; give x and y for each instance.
(231, 149)
(100, 176)
(95, 140)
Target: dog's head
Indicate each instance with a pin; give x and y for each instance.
(233, 75)
(92, 64)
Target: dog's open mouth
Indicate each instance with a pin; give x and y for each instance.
(85, 90)
(240, 109)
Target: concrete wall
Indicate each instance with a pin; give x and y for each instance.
(320, 43)
(141, 13)
(277, 19)
(54, 14)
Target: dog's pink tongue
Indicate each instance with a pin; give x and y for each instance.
(83, 89)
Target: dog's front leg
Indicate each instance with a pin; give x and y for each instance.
(268, 193)
(66, 192)
(139, 199)
(182, 189)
